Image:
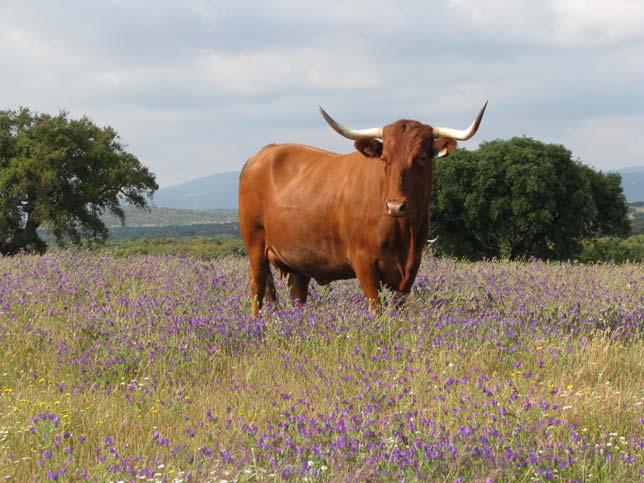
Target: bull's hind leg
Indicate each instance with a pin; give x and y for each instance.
(259, 275)
(271, 291)
(299, 287)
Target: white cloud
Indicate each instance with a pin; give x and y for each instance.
(608, 142)
(506, 19)
(597, 22)
(341, 14)
(195, 87)
(266, 71)
(560, 23)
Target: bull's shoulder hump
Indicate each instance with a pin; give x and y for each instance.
(293, 149)
(253, 160)
(305, 147)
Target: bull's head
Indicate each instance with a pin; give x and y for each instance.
(407, 148)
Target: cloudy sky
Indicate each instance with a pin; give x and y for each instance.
(196, 87)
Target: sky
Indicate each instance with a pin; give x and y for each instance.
(196, 87)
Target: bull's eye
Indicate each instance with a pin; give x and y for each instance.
(423, 159)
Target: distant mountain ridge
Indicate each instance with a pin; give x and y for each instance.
(219, 191)
(633, 183)
(214, 192)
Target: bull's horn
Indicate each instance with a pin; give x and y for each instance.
(431, 242)
(375, 132)
(461, 135)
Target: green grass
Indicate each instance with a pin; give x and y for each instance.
(205, 248)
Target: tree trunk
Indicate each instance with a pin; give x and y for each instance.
(26, 239)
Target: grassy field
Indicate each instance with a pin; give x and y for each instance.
(157, 217)
(198, 247)
(606, 249)
(150, 368)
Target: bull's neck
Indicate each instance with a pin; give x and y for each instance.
(416, 231)
(418, 227)
(408, 238)
(411, 232)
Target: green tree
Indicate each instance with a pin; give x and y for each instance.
(521, 198)
(612, 210)
(62, 174)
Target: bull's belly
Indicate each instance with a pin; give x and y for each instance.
(325, 269)
(316, 264)
(297, 241)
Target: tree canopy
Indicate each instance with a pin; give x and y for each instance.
(62, 174)
(521, 197)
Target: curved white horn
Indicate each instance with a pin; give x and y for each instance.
(375, 132)
(431, 242)
(461, 135)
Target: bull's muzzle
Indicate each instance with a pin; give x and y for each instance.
(395, 208)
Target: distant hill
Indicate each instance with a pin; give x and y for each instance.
(636, 213)
(214, 192)
(633, 183)
(211, 230)
(160, 217)
(172, 223)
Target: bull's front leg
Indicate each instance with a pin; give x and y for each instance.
(369, 279)
(401, 292)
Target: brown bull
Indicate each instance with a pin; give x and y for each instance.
(317, 214)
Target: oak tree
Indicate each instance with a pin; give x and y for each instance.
(62, 174)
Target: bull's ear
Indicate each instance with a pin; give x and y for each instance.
(443, 147)
(371, 148)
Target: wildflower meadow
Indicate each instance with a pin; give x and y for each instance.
(151, 368)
